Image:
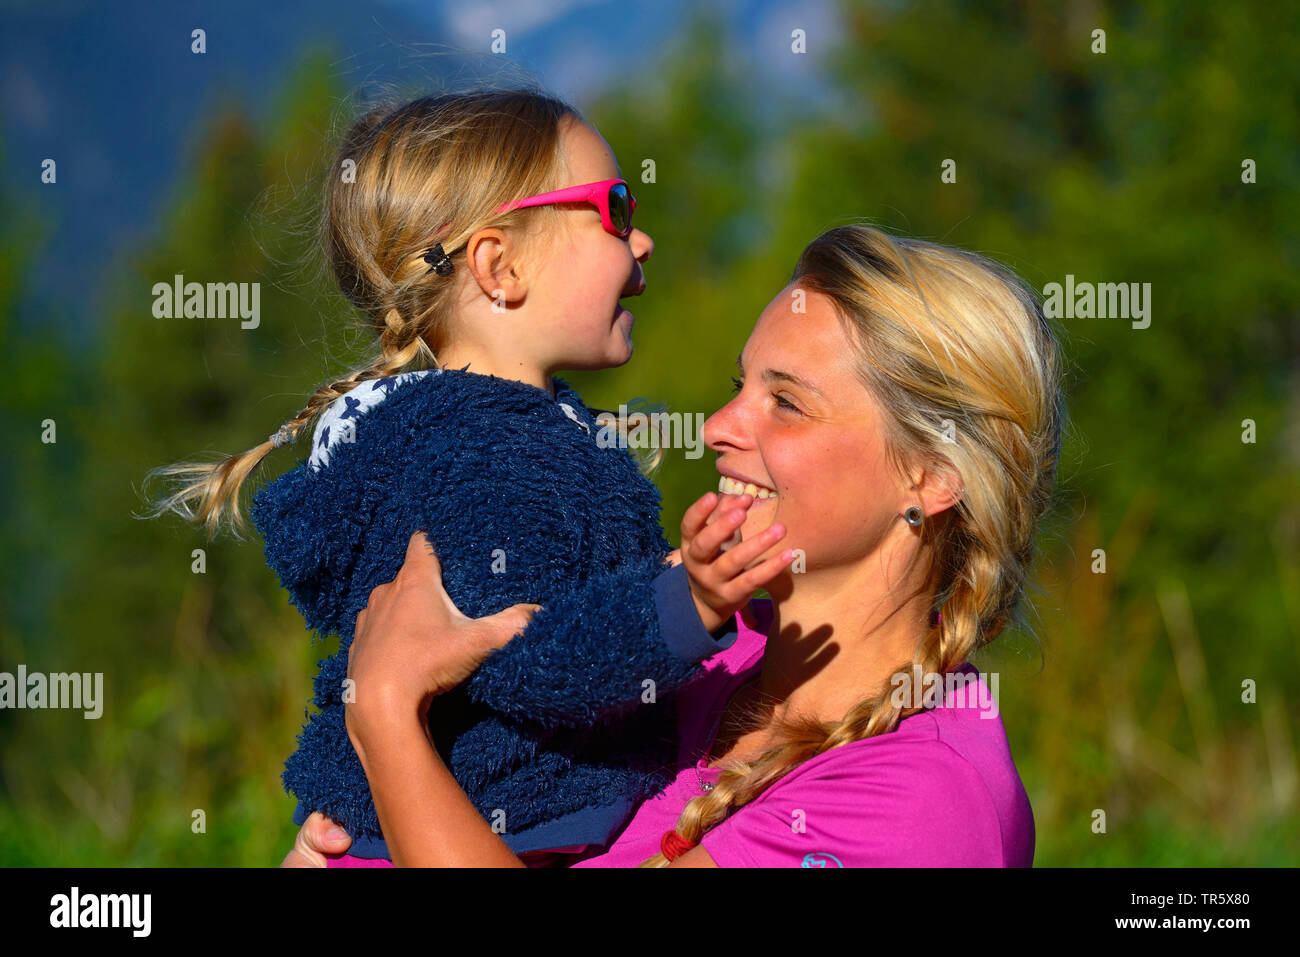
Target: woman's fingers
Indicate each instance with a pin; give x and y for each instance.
(296, 858)
(424, 570)
(500, 628)
(412, 643)
(323, 834)
(317, 837)
(420, 565)
(420, 569)
(420, 556)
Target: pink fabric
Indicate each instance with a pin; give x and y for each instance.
(535, 859)
(347, 860)
(940, 791)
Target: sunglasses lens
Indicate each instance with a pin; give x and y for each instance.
(620, 209)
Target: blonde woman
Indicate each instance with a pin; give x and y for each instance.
(899, 414)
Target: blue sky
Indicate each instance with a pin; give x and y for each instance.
(112, 92)
(582, 45)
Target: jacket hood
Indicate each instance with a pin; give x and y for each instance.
(470, 455)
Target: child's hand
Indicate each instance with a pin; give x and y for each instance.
(720, 583)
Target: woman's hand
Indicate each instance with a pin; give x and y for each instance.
(412, 644)
(317, 837)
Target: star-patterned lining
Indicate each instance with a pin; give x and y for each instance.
(338, 422)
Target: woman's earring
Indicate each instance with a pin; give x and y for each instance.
(913, 516)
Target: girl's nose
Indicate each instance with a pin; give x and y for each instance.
(642, 245)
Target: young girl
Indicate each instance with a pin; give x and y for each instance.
(488, 236)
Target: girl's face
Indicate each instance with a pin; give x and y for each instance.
(585, 271)
(803, 426)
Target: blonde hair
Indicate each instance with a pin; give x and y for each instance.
(951, 344)
(404, 176)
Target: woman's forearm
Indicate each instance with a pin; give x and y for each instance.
(427, 819)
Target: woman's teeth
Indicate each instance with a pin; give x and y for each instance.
(730, 486)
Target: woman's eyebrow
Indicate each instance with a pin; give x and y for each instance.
(771, 376)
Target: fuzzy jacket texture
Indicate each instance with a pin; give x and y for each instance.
(551, 738)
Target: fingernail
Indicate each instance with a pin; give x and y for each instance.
(336, 834)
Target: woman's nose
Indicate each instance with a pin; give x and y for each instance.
(723, 431)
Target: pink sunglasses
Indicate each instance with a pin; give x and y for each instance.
(611, 196)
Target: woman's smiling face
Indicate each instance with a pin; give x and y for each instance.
(803, 425)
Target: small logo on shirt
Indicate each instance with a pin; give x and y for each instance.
(820, 860)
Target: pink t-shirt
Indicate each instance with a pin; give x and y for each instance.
(939, 791)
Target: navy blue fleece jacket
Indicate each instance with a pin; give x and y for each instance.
(554, 738)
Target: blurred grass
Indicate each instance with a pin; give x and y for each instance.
(1126, 717)
(199, 730)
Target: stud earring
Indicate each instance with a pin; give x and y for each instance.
(913, 516)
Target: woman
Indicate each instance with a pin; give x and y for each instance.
(899, 403)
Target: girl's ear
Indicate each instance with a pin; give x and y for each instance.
(493, 259)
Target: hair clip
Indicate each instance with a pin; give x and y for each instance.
(439, 260)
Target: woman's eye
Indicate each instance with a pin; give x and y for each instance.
(781, 401)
